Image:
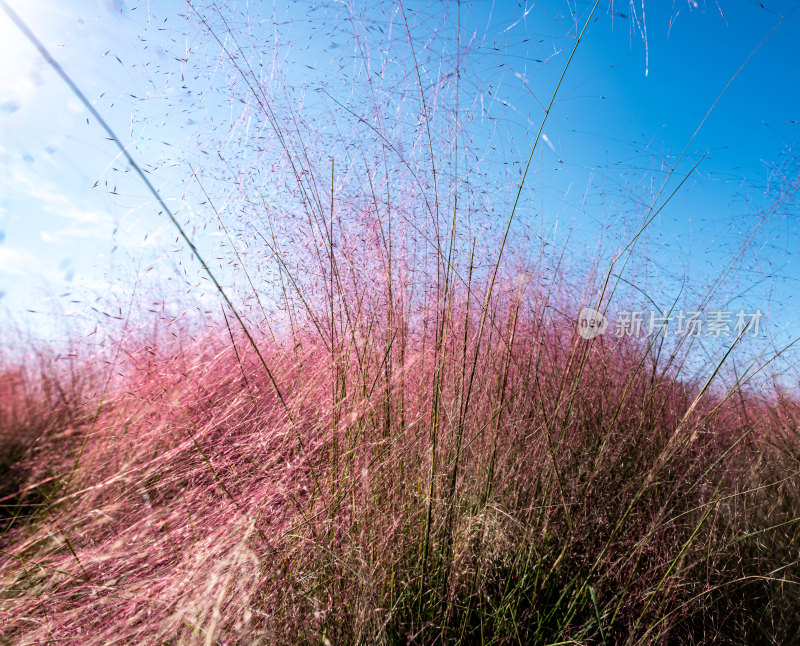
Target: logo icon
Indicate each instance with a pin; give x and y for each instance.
(591, 323)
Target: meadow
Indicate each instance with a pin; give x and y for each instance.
(380, 423)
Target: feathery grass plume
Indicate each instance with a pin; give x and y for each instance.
(393, 431)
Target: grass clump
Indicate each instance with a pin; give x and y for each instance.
(616, 508)
(402, 438)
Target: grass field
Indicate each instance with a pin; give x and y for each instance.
(530, 490)
(407, 441)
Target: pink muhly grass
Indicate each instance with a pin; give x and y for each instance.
(408, 442)
(199, 513)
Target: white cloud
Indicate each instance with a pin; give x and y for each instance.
(18, 262)
(82, 223)
(74, 105)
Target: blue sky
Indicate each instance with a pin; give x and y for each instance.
(624, 114)
(628, 108)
